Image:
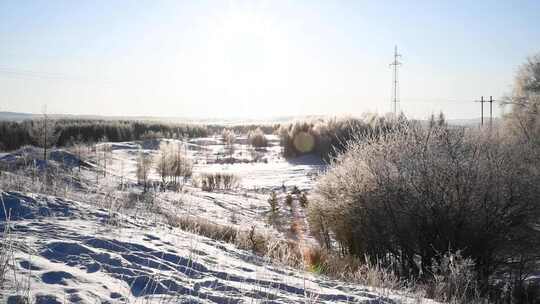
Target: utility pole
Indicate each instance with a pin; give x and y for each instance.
(45, 118)
(395, 64)
(482, 111)
(491, 100)
(481, 101)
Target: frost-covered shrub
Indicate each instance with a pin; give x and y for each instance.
(328, 137)
(172, 164)
(303, 200)
(228, 137)
(257, 139)
(218, 181)
(262, 244)
(404, 197)
(289, 200)
(204, 227)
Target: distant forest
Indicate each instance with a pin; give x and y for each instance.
(323, 137)
(14, 135)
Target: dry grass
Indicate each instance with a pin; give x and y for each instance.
(291, 253)
(16, 283)
(282, 251)
(217, 181)
(203, 227)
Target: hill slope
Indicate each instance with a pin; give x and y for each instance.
(67, 251)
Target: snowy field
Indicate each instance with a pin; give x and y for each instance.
(83, 246)
(270, 171)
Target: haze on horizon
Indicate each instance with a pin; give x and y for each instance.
(260, 58)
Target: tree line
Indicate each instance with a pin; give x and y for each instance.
(329, 137)
(14, 135)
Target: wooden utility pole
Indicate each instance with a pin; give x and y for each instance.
(481, 101)
(491, 100)
(482, 110)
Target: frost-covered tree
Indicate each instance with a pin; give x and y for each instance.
(144, 165)
(172, 164)
(163, 162)
(182, 166)
(524, 116)
(228, 137)
(43, 133)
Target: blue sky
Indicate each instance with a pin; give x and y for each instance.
(260, 58)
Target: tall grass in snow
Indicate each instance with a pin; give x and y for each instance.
(18, 284)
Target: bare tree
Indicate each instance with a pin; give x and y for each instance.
(78, 145)
(228, 138)
(43, 133)
(144, 165)
(182, 167)
(106, 154)
(172, 163)
(163, 162)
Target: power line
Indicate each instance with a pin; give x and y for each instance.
(435, 100)
(28, 74)
(33, 74)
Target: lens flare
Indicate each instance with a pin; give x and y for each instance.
(304, 142)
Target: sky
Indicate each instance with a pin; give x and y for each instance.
(260, 59)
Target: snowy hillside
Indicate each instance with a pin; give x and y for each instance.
(95, 238)
(71, 252)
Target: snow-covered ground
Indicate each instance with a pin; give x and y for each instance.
(92, 248)
(73, 252)
(270, 171)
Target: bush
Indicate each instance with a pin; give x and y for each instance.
(257, 138)
(404, 197)
(218, 181)
(454, 279)
(273, 202)
(327, 138)
(172, 165)
(228, 137)
(281, 251)
(303, 200)
(289, 200)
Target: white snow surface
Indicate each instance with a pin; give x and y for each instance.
(272, 171)
(73, 252)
